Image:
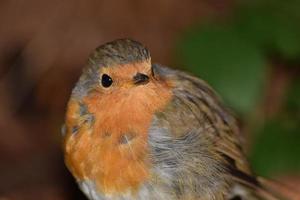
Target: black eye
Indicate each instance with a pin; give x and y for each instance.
(106, 80)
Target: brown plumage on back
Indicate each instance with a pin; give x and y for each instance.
(136, 130)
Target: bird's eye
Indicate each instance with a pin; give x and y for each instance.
(106, 80)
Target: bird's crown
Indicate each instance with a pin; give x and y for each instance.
(118, 52)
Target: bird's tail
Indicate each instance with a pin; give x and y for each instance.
(263, 188)
(266, 189)
(273, 190)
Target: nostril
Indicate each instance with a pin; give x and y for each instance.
(140, 78)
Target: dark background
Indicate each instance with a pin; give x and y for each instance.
(249, 51)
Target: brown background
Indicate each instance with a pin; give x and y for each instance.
(43, 46)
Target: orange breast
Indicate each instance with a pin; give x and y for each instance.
(113, 151)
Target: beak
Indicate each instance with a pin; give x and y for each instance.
(140, 79)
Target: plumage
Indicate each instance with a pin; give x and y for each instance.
(152, 133)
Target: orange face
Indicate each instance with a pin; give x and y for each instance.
(112, 149)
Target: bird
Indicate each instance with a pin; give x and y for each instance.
(135, 130)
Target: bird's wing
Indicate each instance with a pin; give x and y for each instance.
(195, 108)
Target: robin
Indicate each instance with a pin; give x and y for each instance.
(137, 130)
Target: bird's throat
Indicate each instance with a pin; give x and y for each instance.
(113, 150)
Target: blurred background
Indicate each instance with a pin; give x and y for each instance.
(249, 51)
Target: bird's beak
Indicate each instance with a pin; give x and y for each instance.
(140, 79)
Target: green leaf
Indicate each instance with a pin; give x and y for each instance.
(273, 31)
(233, 66)
(287, 39)
(256, 25)
(276, 148)
(293, 101)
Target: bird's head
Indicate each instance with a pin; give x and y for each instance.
(119, 67)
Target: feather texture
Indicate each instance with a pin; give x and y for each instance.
(169, 138)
